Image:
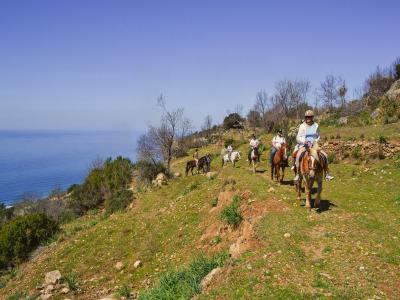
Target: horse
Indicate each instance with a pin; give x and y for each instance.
(311, 169)
(235, 156)
(190, 165)
(280, 161)
(203, 163)
(254, 158)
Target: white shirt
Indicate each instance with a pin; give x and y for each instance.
(277, 141)
(308, 133)
(230, 148)
(254, 143)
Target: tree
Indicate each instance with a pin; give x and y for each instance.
(298, 90)
(282, 96)
(342, 93)
(376, 85)
(396, 68)
(262, 106)
(233, 120)
(254, 119)
(147, 149)
(328, 91)
(207, 127)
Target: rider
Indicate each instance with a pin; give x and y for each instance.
(229, 149)
(277, 142)
(307, 135)
(254, 143)
(196, 157)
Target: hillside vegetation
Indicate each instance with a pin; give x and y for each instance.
(349, 249)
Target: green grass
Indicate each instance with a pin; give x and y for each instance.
(214, 202)
(231, 213)
(72, 284)
(183, 283)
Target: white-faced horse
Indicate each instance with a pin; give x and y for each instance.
(235, 156)
(254, 158)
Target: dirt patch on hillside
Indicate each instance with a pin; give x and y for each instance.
(217, 235)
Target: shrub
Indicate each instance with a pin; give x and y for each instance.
(124, 291)
(71, 282)
(389, 110)
(214, 202)
(185, 282)
(233, 120)
(231, 213)
(357, 152)
(5, 214)
(332, 158)
(22, 235)
(102, 182)
(147, 171)
(118, 201)
(382, 139)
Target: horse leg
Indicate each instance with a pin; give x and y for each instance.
(277, 173)
(272, 172)
(308, 195)
(319, 190)
(283, 174)
(254, 166)
(298, 187)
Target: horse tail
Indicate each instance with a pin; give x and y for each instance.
(222, 162)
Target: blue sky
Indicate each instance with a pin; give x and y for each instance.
(102, 64)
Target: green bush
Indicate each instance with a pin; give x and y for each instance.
(231, 213)
(332, 158)
(357, 152)
(233, 120)
(185, 282)
(118, 201)
(102, 182)
(124, 291)
(382, 139)
(22, 235)
(71, 282)
(5, 214)
(214, 202)
(147, 171)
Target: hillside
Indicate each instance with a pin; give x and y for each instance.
(348, 250)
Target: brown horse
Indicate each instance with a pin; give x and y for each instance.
(204, 163)
(311, 169)
(279, 162)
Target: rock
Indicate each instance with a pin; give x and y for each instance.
(271, 190)
(109, 297)
(177, 174)
(49, 289)
(137, 264)
(207, 280)
(375, 114)
(342, 121)
(65, 290)
(52, 277)
(46, 296)
(161, 177)
(211, 175)
(119, 265)
(287, 235)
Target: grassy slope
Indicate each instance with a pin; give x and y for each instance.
(350, 250)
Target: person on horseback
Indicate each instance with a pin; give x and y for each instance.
(229, 149)
(277, 142)
(307, 135)
(254, 143)
(196, 157)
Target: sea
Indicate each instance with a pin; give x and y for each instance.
(34, 162)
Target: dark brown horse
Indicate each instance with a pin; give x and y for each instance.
(312, 166)
(280, 162)
(204, 163)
